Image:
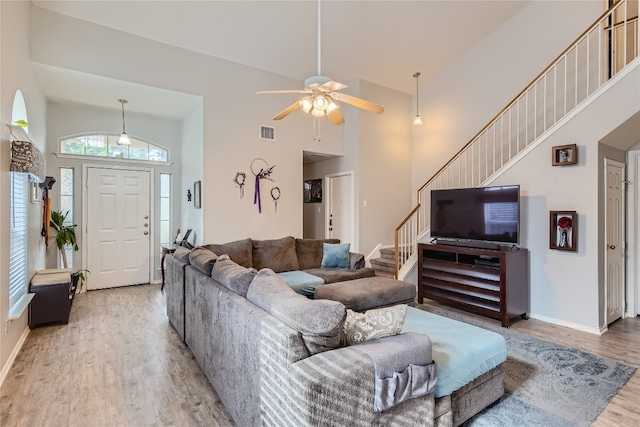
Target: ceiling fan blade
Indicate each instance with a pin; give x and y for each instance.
(285, 91)
(290, 109)
(335, 117)
(357, 102)
(332, 86)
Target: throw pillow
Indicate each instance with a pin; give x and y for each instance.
(373, 324)
(232, 276)
(182, 254)
(239, 251)
(335, 255)
(276, 254)
(202, 259)
(309, 252)
(318, 321)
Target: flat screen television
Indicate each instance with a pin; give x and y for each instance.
(488, 214)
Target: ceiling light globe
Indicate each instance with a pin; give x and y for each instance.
(306, 104)
(124, 139)
(320, 103)
(417, 121)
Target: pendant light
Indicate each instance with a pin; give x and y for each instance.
(417, 121)
(124, 138)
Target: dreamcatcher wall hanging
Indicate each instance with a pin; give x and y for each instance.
(261, 171)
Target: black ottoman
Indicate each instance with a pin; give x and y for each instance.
(367, 293)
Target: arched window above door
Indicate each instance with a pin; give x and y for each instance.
(105, 145)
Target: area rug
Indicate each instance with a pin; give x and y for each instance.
(548, 384)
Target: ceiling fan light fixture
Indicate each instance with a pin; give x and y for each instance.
(320, 103)
(331, 106)
(124, 138)
(306, 104)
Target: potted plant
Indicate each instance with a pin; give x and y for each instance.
(66, 236)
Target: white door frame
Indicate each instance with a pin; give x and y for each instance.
(327, 194)
(633, 234)
(85, 209)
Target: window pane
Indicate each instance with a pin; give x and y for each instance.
(165, 209)
(165, 187)
(106, 145)
(66, 205)
(19, 224)
(165, 232)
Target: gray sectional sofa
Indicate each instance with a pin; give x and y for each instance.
(274, 358)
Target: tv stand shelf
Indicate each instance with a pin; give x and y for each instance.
(493, 283)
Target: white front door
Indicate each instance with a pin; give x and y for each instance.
(118, 227)
(614, 239)
(340, 208)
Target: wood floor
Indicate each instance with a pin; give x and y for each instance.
(119, 363)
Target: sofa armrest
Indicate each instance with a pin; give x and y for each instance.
(356, 260)
(327, 383)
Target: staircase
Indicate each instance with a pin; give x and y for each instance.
(386, 264)
(605, 49)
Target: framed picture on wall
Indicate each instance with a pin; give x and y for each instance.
(313, 191)
(564, 155)
(563, 230)
(197, 203)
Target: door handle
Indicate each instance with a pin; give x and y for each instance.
(330, 222)
(146, 232)
(612, 246)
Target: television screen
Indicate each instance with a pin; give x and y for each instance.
(488, 214)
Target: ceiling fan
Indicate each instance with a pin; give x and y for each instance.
(320, 92)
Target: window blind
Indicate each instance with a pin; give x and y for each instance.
(18, 236)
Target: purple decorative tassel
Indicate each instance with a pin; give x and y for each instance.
(256, 195)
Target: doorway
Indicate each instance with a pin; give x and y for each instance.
(614, 239)
(340, 208)
(118, 224)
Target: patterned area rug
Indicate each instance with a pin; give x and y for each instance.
(547, 384)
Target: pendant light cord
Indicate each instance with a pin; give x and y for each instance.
(123, 101)
(417, 75)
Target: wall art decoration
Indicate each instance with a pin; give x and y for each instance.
(261, 170)
(239, 180)
(563, 230)
(275, 195)
(197, 202)
(564, 155)
(313, 191)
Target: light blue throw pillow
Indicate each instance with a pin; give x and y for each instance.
(335, 255)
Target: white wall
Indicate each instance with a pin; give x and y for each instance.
(70, 119)
(192, 170)
(464, 98)
(568, 287)
(232, 113)
(17, 74)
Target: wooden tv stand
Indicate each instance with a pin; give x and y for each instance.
(493, 283)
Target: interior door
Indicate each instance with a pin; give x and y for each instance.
(614, 238)
(340, 207)
(118, 227)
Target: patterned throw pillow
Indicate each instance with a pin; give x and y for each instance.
(373, 324)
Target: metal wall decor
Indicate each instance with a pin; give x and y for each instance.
(197, 201)
(261, 170)
(240, 178)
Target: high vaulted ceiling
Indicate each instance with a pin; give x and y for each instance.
(383, 42)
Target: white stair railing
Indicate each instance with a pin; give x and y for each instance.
(602, 51)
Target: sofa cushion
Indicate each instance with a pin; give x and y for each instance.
(301, 282)
(202, 259)
(373, 324)
(309, 252)
(335, 255)
(276, 254)
(318, 321)
(232, 276)
(334, 275)
(182, 254)
(239, 251)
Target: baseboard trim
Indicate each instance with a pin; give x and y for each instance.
(13, 355)
(571, 325)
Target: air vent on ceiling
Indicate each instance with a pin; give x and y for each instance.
(267, 132)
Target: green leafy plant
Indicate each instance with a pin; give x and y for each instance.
(66, 234)
(21, 123)
(80, 276)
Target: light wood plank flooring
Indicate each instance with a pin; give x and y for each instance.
(119, 363)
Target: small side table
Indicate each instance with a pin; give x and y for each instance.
(166, 249)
